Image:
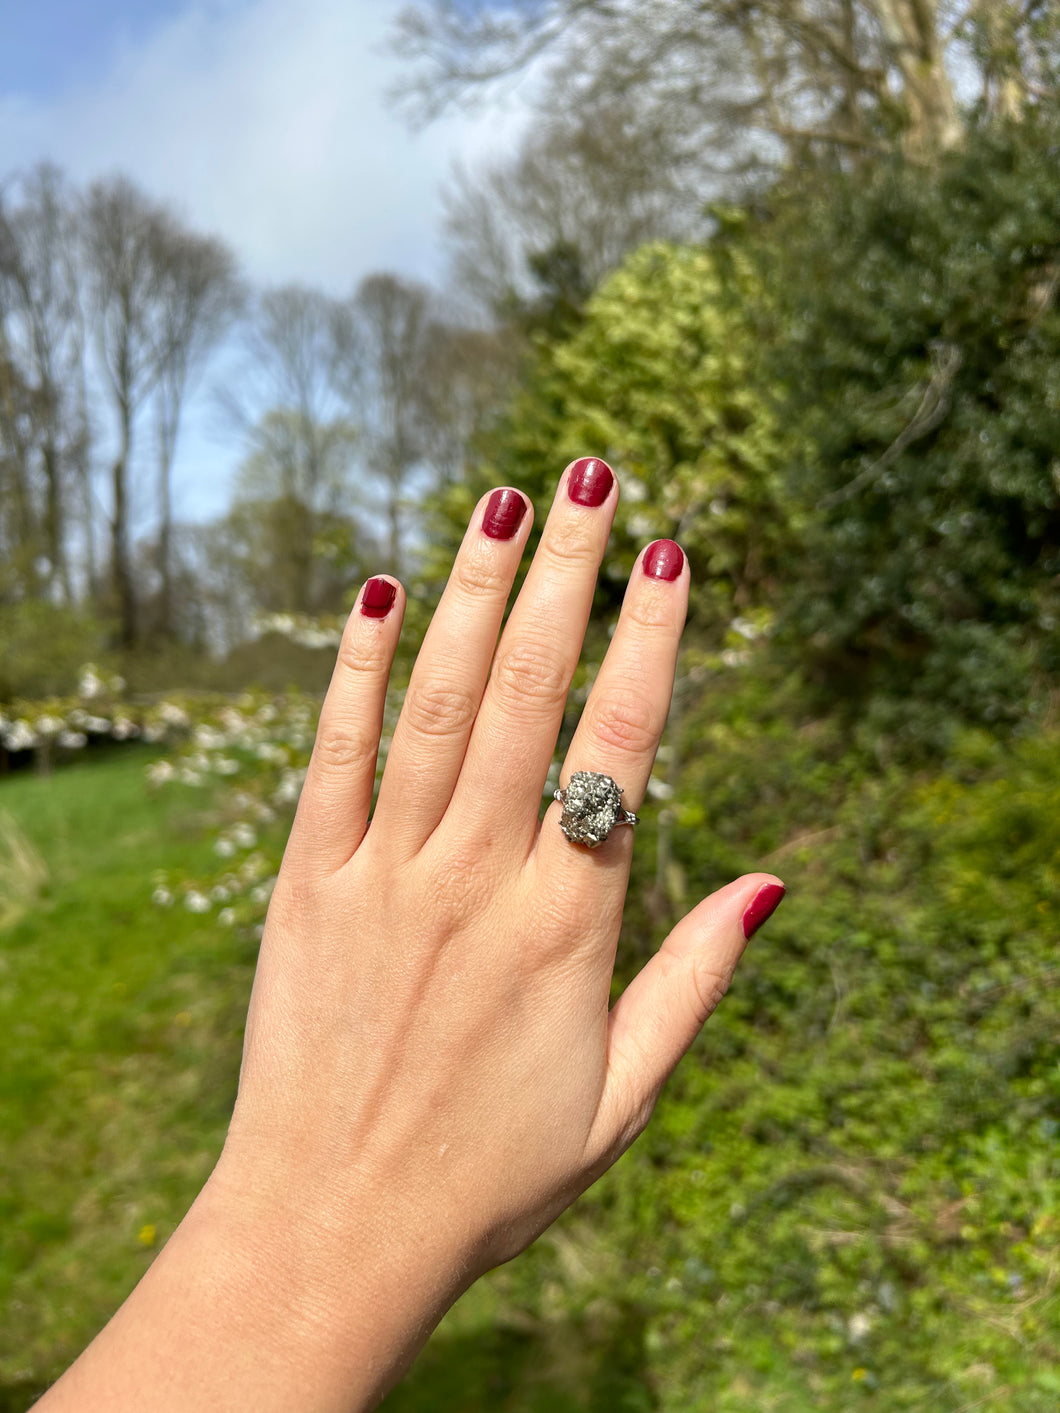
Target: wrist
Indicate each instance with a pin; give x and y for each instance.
(262, 1304)
(346, 1282)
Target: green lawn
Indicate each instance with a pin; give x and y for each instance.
(122, 1028)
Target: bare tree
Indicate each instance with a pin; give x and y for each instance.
(294, 484)
(123, 232)
(465, 373)
(301, 438)
(384, 352)
(199, 294)
(43, 341)
(600, 183)
(742, 83)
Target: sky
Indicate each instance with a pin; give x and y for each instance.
(262, 121)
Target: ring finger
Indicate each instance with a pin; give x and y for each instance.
(620, 728)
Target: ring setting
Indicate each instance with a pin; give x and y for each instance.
(592, 807)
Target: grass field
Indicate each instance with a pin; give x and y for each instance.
(122, 1027)
(849, 1197)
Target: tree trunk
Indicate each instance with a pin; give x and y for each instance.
(166, 447)
(911, 30)
(53, 520)
(394, 521)
(120, 568)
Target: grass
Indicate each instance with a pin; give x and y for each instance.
(122, 1026)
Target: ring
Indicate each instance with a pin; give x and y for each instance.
(592, 806)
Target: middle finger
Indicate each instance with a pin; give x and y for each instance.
(522, 708)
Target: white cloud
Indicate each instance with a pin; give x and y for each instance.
(264, 122)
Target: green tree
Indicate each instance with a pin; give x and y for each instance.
(915, 334)
(657, 375)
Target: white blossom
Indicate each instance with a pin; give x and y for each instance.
(48, 725)
(196, 902)
(72, 740)
(263, 891)
(632, 487)
(162, 897)
(159, 771)
(289, 788)
(225, 848)
(20, 736)
(219, 893)
(226, 917)
(746, 628)
(859, 1325)
(244, 835)
(121, 728)
(91, 684)
(209, 738)
(173, 715)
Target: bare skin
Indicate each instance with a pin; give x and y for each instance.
(431, 1073)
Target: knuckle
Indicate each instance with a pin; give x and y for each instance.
(708, 987)
(529, 673)
(649, 609)
(358, 661)
(626, 720)
(341, 747)
(477, 578)
(462, 881)
(569, 547)
(439, 710)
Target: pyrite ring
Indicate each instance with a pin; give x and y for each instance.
(592, 806)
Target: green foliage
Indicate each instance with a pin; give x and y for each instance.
(656, 378)
(915, 337)
(43, 647)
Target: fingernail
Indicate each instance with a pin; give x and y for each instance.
(504, 514)
(378, 598)
(590, 481)
(663, 560)
(762, 906)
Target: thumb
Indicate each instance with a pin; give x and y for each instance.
(664, 1007)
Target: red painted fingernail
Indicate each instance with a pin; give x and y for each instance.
(378, 598)
(663, 560)
(503, 514)
(590, 481)
(762, 906)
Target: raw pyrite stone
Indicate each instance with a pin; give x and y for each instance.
(591, 805)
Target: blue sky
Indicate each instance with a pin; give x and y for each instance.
(263, 121)
(49, 45)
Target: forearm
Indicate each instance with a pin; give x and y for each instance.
(244, 1309)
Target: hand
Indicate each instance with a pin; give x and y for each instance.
(431, 1072)
(430, 1014)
